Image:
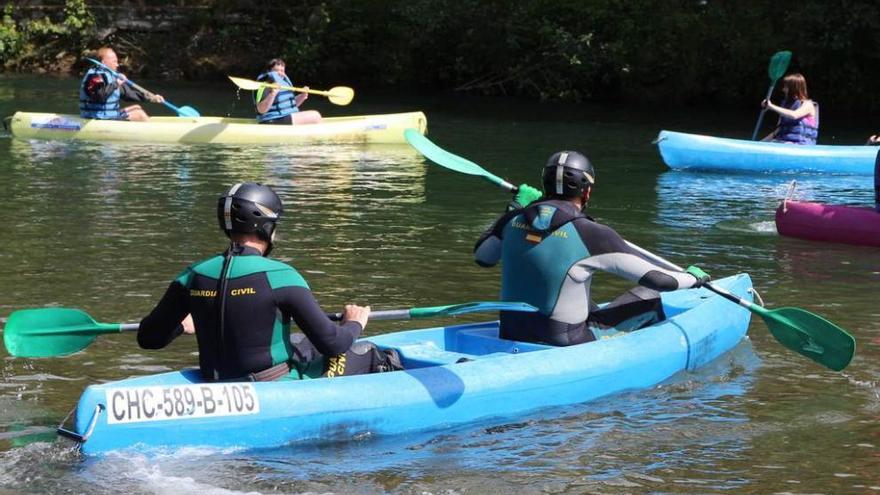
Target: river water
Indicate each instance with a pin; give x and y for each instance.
(106, 228)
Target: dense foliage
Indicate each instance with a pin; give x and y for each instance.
(700, 51)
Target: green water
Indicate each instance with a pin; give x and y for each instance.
(107, 227)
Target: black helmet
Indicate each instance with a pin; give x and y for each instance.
(567, 174)
(249, 208)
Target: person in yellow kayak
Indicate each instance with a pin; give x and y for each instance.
(242, 304)
(100, 92)
(798, 114)
(281, 106)
(549, 250)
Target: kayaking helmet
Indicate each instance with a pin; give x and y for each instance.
(249, 208)
(567, 174)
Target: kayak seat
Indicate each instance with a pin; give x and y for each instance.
(424, 354)
(485, 342)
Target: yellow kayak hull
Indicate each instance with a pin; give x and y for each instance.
(374, 129)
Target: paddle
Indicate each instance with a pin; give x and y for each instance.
(778, 64)
(184, 111)
(797, 329)
(46, 332)
(338, 95)
(806, 333)
(453, 162)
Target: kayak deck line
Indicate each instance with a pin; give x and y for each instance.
(454, 375)
(374, 129)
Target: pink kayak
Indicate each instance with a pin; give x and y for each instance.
(830, 223)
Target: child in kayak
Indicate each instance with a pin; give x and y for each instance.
(798, 114)
(281, 106)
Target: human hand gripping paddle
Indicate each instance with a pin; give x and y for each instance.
(47, 332)
(184, 111)
(339, 95)
(806, 333)
(778, 64)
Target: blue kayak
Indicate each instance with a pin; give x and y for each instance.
(696, 152)
(454, 374)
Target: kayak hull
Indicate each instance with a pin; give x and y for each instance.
(683, 151)
(375, 129)
(454, 375)
(829, 223)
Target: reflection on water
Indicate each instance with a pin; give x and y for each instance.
(106, 227)
(692, 199)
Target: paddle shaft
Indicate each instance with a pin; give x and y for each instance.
(391, 314)
(131, 83)
(294, 88)
(778, 64)
(718, 290)
(763, 111)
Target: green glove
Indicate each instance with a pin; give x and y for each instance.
(525, 195)
(701, 276)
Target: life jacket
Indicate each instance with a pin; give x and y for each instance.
(539, 247)
(804, 130)
(284, 104)
(89, 108)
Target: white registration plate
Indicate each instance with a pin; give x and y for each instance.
(135, 404)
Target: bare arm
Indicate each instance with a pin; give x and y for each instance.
(805, 109)
(267, 101)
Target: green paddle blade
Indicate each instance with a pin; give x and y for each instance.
(48, 332)
(442, 157)
(778, 64)
(811, 335)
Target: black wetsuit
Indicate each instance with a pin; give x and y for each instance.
(263, 296)
(549, 252)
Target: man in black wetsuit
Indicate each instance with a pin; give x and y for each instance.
(549, 251)
(242, 304)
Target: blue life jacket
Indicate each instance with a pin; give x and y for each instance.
(284, 103)
(536, 257)
(804, 130)
(90, 109)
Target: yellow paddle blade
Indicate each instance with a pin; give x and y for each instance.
(340, 95)
(246, 84)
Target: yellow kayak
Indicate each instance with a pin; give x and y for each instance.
(380, 129)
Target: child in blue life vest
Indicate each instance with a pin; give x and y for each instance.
(281, 106)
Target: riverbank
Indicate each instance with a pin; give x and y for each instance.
(705, 53)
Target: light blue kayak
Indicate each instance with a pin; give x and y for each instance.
(696, 152)
(454, 374)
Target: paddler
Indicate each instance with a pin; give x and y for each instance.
(281, 106)
(549, 250)
(242, 304)
(101, 91)
(798, 114)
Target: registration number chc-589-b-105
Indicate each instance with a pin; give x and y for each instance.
(134, 404)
